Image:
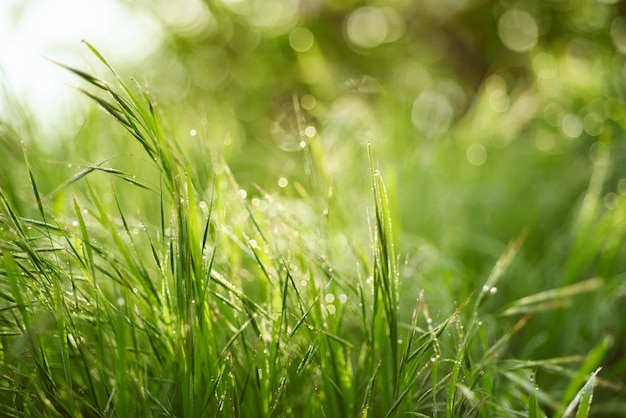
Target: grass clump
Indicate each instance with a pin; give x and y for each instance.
(222, 301)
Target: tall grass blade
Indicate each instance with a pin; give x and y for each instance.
(583, 398)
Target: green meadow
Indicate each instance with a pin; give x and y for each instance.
(325, 209)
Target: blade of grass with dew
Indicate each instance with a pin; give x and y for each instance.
(385, 272)
(583, 398)
(533, 405)
(502, 264)
(552, 298)
(592, 362)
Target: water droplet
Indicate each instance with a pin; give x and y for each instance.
(121, 301)
(302, 144)
(493, 290)
(252, 243)
(343, 298)
(243, 194)
(282, 182)
(74, 223)
(193, 132)
(310, 131)
(331, 309)
(330, 298)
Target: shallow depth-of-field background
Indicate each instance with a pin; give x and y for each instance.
(325, 208)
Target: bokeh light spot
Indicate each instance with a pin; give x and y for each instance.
(572, 126)
(498, 97)
(308, 102)
(518, 30)
(618, 34)
(431, 113)
(476, 154)
(310, 131)
(301, 39)
(367, 27)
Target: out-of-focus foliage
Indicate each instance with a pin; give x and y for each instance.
(490, 120)
(471, 102)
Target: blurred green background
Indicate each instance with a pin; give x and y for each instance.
(489, 120)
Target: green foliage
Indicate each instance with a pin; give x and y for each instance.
(221, 254)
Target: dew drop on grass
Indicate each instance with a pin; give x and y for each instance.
(343, 298)
(493, 290)
(331, 309)
(121, 301)
(74, 223)
(302, 144)
(193, 132)
(243, 194)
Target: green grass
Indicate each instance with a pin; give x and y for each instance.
(152, 283)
